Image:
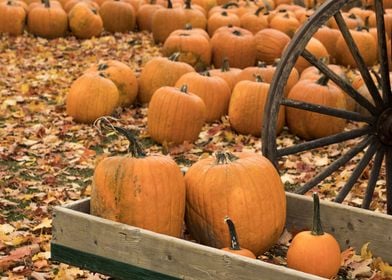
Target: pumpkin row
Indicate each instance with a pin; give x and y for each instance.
(150, 192)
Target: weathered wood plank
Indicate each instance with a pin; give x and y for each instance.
(351, 226)
(156, 252)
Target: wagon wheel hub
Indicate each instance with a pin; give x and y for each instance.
(384, 127)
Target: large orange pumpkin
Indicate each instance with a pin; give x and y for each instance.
(118, 16)
(244, 186)
(139, 190)
(12, 17)
(84, 21)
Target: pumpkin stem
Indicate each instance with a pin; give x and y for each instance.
(224, 13)
(102, 66)
(258, 78)
(206, 73)
(188, 26)
(169, 4)
(267, 5)
(184, 88)
(317, 229)
(323, 80)
(188, 4)
(174, 56)
(235, 245)
(259, 10)
(224, 158)
(225, 65)
(46, 3)
(135, 148)
(237, 32)
(230, 4)
(261, 64)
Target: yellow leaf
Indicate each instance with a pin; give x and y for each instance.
(365, 251)
(24, 88)
(46, 223)
(386, 268)
(6, 229)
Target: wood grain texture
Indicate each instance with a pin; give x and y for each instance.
(135, 247)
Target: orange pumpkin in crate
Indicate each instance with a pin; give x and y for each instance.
(244, 186)
(125, 190)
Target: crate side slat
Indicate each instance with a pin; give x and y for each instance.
(104, 265)
(351, 226)
(160, 253)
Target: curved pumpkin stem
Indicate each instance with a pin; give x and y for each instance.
(135, 148)
(235, 245)
(230, 4)
(224, 157)
(323, 81)
(259, 10)
(317, 229)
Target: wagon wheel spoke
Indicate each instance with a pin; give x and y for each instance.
(358, 171)
(325, 141)
(388, 169)
(345, 86)
(373, 178)
(359, 60)
(335, 165)
(382, 51)
(339, 113)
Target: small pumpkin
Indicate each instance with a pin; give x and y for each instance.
(229, 74)
(254, 21)
(246, 110)
(175, 115)
(118, 16)
(213, 90)
(316, 48)
(158, 72)
(311, 125)
(328, 37)
(315, 251)
(12, 17)
(145, 13)
(48, 21)
(286, 22)
(122, 76)
(244, 186)
(91, 96)
(145, 191)
(269, 44)
(234, 243)
(241, 51)
(218, 20)
(84, 21)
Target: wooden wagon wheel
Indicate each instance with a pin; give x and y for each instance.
(374, 138)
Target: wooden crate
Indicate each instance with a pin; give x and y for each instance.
(127, 252)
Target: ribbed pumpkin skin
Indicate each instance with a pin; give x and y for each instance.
(214, 91)
(144, 192)
(84, 21)
(47, 22)
(175, 116)
(91, 96)
(270, 44)
(159, 72)
(123, 77)
(118, 16)
(241, 51)
(246, 110)
(12, 18)
(316, 48)
(318, 255)
(310, 125)
(249, 190)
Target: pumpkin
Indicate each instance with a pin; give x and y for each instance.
(91, 96)
(234, 244)
(193, 48)
(286, 22)
(122, 76)
(213, 90)
(48, 21)
(311, 125)
(328, 37)
(227, 73)
(218, 20)
(230, 8)
(194, 16)
(366, 45)
(165, 21)
(352, 21)
(254, 21)
(244, 186)
(175, 115)
(146, 191)
(205, 4)
(269, 44)
(12, 17)
(84, 21)
(315, 251)
(316, 48)
(241, 51)
(118, 16)
(158, 72)
(246, 110)
(145, 13)
(68, 6)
